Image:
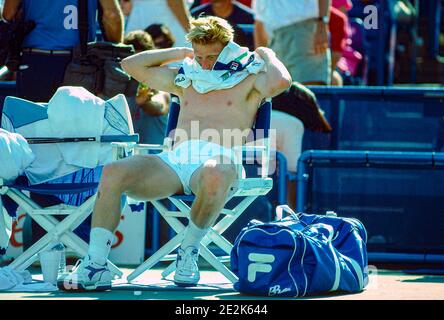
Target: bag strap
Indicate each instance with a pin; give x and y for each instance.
(281, 209)
(83, 25)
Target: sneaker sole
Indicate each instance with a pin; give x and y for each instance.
(185, 284)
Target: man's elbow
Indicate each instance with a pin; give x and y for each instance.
(286, 82)
(112, 22)
(125, 64)
(282, 84)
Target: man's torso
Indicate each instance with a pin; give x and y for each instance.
(211, 115)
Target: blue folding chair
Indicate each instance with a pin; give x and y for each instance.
(249, 188)
(75, 191)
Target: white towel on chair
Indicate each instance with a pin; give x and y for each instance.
(232, 56)
(5, 229)
(10, 278)
(15, 155)
(76, 112)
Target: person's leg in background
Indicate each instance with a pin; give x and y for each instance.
(289, 135)
(294, 45)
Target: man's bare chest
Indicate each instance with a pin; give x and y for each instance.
(232, 98)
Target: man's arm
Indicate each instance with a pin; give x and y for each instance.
(181, 12)
(10, 9)
(112, 20)
(321, 36)
(276, 77)
(149, 67)
(260, 35)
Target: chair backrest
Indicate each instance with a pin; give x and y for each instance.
(262, 122)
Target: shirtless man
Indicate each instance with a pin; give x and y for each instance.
(159, 176)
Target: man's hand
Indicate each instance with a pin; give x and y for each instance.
(320, 43)
(264, 52)
(143, 94)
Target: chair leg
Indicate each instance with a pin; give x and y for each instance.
(219, 266)
(213, 235)
(168, 270)
(55, 229)
(156, 257)
(23, 261)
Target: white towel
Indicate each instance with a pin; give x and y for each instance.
(233, 65)
(15, 155)
(10, 278)
(5, 229)
(49, 163)
(76, 112)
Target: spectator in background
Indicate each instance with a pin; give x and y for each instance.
(244, 2)
(5, 73)
(47, 48)
(235, 13)
(342, 5)
(161, 35)
(127, 7)
(173, 13)
(298, 32)
(350, 63)
(149, 109)
(339, 32)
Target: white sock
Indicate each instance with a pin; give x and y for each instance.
(193, 236)
(100, 244)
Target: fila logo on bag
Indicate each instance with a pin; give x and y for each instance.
(259, 263)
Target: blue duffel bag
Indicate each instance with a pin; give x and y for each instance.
(303, 254)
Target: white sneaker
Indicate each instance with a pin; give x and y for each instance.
(86, 276)
(187, 272)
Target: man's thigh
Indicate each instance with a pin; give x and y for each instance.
(149, 178)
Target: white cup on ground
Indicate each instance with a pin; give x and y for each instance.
(50, 261)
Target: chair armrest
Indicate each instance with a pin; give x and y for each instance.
(264, 152)
(143, 146)
(122, 149)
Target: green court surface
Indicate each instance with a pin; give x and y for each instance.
(384, 284)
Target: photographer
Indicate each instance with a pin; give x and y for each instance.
(47, 49)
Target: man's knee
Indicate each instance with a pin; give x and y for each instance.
(215, 180)
(115, 175)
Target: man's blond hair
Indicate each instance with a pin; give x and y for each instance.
(210, 29)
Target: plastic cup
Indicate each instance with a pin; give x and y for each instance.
(50, 261)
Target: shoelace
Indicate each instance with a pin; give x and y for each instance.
(77, 265)
(188, 261)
